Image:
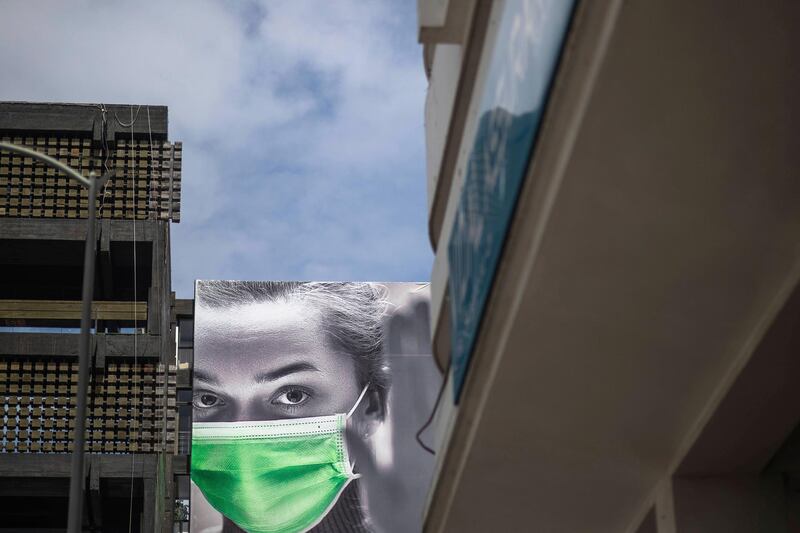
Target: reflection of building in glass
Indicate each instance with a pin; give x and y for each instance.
(615, 213)
(494, 171)
(134, 459)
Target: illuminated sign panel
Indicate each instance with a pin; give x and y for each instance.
(521, 64)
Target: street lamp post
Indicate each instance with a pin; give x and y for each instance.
(77, 478)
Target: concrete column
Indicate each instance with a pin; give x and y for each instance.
(665, 508)
(148, 505)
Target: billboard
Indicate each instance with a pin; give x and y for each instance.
(307, 399)
(525, 51)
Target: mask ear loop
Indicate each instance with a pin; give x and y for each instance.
(360, 397)
(350, 413)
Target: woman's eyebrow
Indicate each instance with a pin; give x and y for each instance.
(203, 376)
(285, 371)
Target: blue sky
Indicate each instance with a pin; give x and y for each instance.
(302, 123)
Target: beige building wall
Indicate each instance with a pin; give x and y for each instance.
(638, 362)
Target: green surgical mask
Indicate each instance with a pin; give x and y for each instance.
(275, 476)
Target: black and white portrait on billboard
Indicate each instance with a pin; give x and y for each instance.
(306, 402)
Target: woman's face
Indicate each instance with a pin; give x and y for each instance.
(268, 361)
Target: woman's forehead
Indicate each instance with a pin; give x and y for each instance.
(255, 318)
(261, 336)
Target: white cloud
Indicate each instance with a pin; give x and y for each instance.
(301, 122)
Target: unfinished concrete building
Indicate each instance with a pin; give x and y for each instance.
(136, 460)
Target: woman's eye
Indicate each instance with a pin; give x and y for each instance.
(205, 400)
(292, 397)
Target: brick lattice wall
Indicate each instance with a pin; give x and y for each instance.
(147, 181)
(126, 409)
